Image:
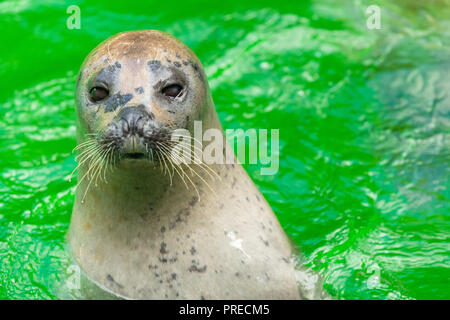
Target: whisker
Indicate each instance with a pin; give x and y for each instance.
(199, 162)
(87, 154)
(164, 155)
(96, 165)
(92, 163)
(194, 172)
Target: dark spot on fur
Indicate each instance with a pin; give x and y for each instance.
(237, 274)
(163, 260)
(181, 216)
(174, 276)
(117, 100)
(202, 298)
(185, 62)
(177, 55)
(195, 268)
(117, 64)
(193, 251)
(177, 64)
(193, 201)
(154, 65)
(110, 69)
(139, 90)
(163, 229)
(163, 248)
(266, 243)
(197, 70)
(110, 278)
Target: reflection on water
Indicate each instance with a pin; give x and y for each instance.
(364, 118)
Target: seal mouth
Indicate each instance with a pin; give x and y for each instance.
(134, 155)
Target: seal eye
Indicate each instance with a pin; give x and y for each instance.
(98, 93)
(172, 91)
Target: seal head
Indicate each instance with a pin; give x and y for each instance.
(135, 89)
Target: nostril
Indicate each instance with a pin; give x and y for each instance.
(125, 126)
(140, 124)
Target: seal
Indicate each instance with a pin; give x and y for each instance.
(144, 226)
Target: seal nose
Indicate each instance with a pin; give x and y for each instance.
(133, 120)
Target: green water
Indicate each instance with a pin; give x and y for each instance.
(364, 119)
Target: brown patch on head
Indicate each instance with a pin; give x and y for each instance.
(144, 44)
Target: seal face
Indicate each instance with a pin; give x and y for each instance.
(141, 233)
(131, 93)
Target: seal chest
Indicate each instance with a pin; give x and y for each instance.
(160, 226)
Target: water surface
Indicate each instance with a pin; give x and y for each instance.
(364, 119)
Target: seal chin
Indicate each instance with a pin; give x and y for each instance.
(136, 162)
